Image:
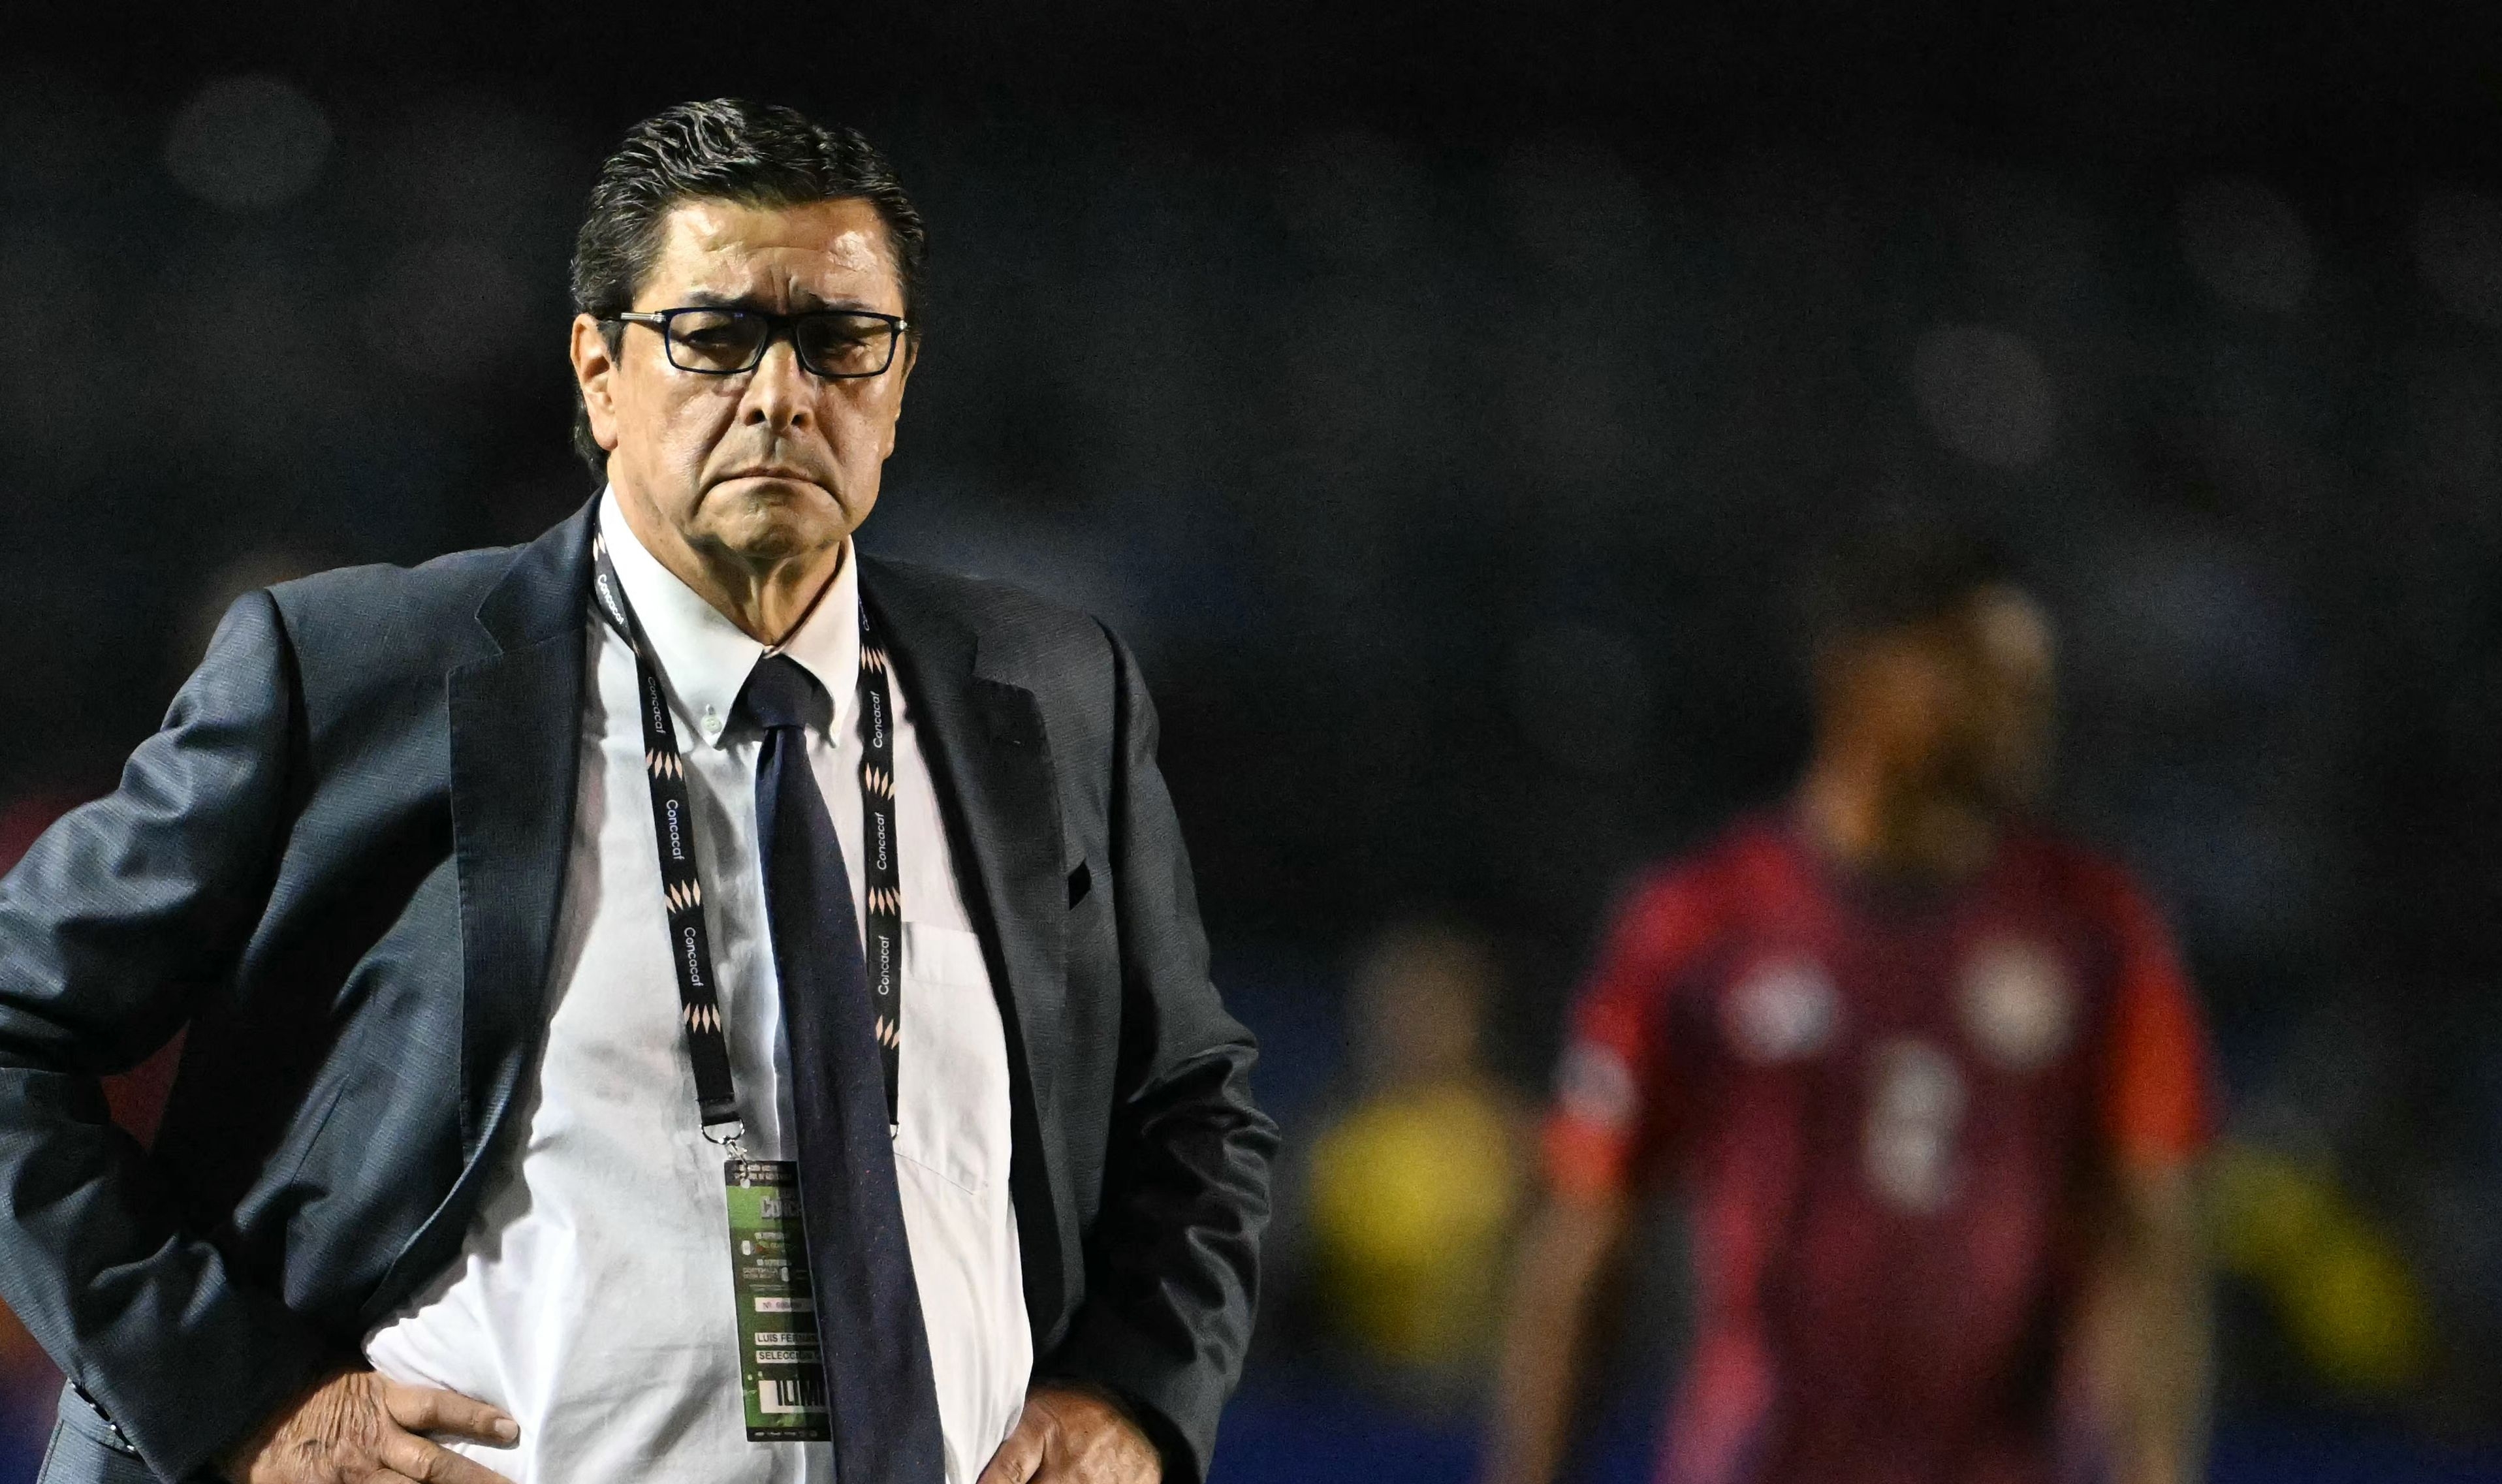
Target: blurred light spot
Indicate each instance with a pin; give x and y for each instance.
(2246, 245)
(247, 142)
(2459, 250)
(454, 309)
(1985, 394)
(1582, 696)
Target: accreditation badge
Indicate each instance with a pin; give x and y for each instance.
(784, 1385)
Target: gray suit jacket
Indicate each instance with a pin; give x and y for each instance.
(339, 865)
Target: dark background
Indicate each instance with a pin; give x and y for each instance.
(1440, 399)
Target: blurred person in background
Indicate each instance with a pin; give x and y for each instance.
(1932, 1080)
(561, 928)
(1415, 1190)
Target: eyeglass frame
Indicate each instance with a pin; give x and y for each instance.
(776, 327)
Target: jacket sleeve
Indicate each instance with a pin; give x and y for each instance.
(109, 926)
(1172, 1262)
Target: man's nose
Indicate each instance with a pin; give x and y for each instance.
(779, 391)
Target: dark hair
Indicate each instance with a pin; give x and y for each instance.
(1892, 566)
(728, 150)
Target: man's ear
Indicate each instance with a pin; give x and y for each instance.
(594, 362)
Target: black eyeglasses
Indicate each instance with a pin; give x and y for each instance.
(842, 344)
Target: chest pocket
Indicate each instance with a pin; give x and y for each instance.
(953, 1094)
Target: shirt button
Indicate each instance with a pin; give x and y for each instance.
(711, 725)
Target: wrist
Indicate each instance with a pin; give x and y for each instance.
(1156, 1435)
(1095, 1389)
(235, 1464)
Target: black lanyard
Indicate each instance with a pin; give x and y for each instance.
(682, 883)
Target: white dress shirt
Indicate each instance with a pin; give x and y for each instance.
(591, 1300)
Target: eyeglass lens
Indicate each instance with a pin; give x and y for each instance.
(721, 340)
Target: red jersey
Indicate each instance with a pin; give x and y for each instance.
(1890, 1108)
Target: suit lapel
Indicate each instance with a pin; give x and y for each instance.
(515, 725)
(990, 760)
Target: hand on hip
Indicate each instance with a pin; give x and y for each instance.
(359, 1428)
(1072, 1436)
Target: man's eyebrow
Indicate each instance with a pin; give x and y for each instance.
(703, 298)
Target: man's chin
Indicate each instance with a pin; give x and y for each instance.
(771, 519)
(770, 490)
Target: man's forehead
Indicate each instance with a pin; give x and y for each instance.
(831, 250)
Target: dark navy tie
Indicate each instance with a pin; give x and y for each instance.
(878, 1378)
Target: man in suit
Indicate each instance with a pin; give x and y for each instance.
(680, 998)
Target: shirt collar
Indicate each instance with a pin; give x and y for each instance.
(704, 658)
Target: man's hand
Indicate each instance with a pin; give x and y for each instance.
(359, 1427)
(2156, 1341)
(1071, 1436)
(1571, 1250)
